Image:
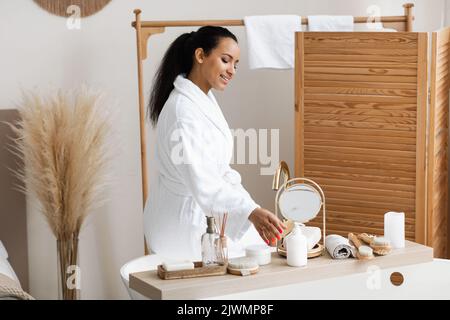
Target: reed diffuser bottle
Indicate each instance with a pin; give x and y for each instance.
(210, 241)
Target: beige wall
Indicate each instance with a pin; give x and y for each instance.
(37, 50)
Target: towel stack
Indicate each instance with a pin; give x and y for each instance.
(330, 23)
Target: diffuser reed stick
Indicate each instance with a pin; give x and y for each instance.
(222, 245)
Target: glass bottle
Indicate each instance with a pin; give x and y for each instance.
(210, 241)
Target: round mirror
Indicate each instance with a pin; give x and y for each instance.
(300, 203)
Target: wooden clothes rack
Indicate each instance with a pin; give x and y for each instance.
(145, 29)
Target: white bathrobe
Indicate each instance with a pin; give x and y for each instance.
(194, 179)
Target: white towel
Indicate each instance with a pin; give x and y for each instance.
(271, 40)
(372, 27)
(330, 23)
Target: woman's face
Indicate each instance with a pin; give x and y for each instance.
(218, 68)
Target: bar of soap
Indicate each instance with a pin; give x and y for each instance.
(178, 265)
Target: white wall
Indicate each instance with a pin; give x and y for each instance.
(37, 50)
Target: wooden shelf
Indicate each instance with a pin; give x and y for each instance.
(276, 274)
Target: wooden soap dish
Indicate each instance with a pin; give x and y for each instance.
(198, 271)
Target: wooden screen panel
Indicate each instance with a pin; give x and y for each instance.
(437, 177)
(360, 126)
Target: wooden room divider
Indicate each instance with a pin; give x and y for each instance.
(361, 129)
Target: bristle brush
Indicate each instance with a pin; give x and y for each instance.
(380, 245)
(363, 252)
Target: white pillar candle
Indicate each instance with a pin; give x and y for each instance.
(394, 228)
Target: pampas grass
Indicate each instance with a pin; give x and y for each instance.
(62, 140)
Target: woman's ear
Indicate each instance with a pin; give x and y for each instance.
(199, 55)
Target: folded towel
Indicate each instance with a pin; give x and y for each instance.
(313, 236)
(330, 23)
(339, 247)
(10, 289)
(372, 27)
(271, 40)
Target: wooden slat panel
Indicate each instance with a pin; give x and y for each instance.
(327, 56)
(372, 106)
(336, 221)
(359, 84)
(369, 197)
(360, 151)
(355, 190)
(365, 184)
(362, 131)
(353, 77)
(362, 71)
(360, 98)
(357, 177)
(437, 174)
(360, 144)
(365, 91)
(366, 171)
(312, 115)
(362, 126)
(365, 64)
(363, 210)
(363, 40)
(343, 230)
(367, 138)
(364, 52)
(376, 218)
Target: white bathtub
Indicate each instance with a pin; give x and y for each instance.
(421, 281)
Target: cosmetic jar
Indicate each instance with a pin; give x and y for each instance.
(261, 253)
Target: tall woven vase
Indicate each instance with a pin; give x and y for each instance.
(68, 268)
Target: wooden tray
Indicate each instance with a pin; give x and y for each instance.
(198, 271)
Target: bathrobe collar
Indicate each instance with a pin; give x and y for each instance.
(207, 104)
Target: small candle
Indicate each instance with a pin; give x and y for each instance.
(394, 228)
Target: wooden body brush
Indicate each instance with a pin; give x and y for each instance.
(242, 266)
(380, 245)
(363, 252)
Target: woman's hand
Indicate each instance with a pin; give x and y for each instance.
(267, 224)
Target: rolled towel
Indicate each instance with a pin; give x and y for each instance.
(338, 247)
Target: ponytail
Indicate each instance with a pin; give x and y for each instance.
(178, 59)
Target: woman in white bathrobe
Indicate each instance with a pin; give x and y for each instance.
(193, 150)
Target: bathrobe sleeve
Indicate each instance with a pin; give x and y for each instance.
(196, 156)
